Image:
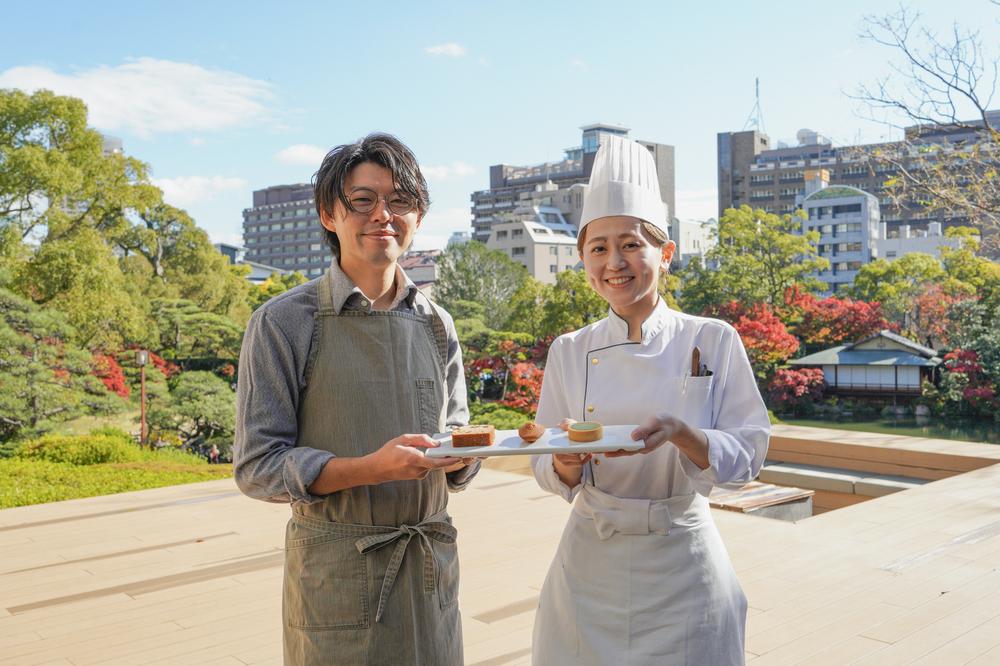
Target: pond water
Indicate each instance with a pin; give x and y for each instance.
(986, 432)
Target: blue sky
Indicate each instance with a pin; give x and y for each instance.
(224, 98)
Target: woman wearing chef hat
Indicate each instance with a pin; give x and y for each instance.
(641, 575)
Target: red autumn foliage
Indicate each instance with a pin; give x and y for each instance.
(106, 369)
(832, 321)
(794, 387)
(928, 316)
(527, 378)
(765, 337)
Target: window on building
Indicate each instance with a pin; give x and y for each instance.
(275, 239)
(854, 265)
(301, 248)
(288, 225)
(301, 224)
(501, 234)
(826, 229)
(301, 236)
(251, 241)
(890, 254)
(554, 268)
(517, 251)
(289, 261)
(252, 252)
(275, 215)
(312, 211)
(314, 234)
(264, 250)
(569, 251)
(315, 247)
(762, 194)
(275, 227)
(553, 249)
(288, 237)
(517, 233)
(288, 213)
(302, 260)
(301, 212)
(315, 271)
(854, 247)
(841, 247)
(766, 178)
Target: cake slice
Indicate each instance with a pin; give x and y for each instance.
(473, 435)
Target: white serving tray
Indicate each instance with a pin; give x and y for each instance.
(509, 443)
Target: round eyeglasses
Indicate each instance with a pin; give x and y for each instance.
(365, 201)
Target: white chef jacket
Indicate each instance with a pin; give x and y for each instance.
(669, 596)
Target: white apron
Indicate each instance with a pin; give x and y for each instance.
(641, 575)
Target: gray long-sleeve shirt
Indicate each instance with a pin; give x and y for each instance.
(267, 463)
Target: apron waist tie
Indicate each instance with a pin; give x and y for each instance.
(374, 537)
(637, 517)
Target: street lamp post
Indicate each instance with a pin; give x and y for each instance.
(142, 358)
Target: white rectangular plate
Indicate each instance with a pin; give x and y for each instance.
(509, 443)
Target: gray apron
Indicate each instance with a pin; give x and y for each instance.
(371, 572)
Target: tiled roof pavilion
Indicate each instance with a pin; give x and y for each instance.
(191, 575)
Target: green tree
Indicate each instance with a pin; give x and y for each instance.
(572, 304)
(202, 406)
(78, 276)
(274, 286)
(186, 331)
(471, 272)
(895, 284)
(54, 178)
(44, 378)
(759, 257)
(528, 307)
(965, 266)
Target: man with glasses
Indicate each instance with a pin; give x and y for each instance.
(341, 382)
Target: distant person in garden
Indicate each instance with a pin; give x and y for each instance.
(641, 575)
(341, 382)
(213, 455)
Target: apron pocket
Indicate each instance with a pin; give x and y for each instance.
(446, 561)
(428, 406)
(326, 583)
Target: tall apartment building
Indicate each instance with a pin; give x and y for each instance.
(533, 192)
(754, 172)
(283, 230)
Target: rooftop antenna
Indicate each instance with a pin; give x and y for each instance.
(756, 118)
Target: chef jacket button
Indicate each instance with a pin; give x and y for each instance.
(364, 304)
(590, 409)
(596, 461)
(594, 361)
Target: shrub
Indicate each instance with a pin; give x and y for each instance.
(86, 450)
(496, 415)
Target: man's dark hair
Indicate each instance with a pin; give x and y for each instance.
(383, 150)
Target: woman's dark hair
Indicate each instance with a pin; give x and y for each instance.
(383, 150)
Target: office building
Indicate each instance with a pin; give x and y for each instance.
(557, 186)
(283, 230)
(754, 171)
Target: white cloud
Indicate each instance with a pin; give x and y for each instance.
(197, 141)
(454, 172)
(302, 153)
(438, 226)
(228, 239)
(454, 50)
(147, 96)
(697, 204)
(186, 190)
(578, 63)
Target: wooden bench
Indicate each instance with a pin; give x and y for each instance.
(765, 499)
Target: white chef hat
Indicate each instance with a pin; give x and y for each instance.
(623, 182)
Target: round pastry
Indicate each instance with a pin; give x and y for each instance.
(530, 431)
(585, 431)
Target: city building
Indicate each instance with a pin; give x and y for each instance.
(259, 273)
(851, 231)
(847, 219)
(282, 230)
(752, 171)
(692, 239)
(544, 249)
(421, 267)
(558, 186)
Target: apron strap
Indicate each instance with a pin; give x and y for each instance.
(326, 294)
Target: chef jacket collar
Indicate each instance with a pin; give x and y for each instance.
(655, 322)
(342, 290)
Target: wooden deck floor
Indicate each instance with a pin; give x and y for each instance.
(191, 575)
